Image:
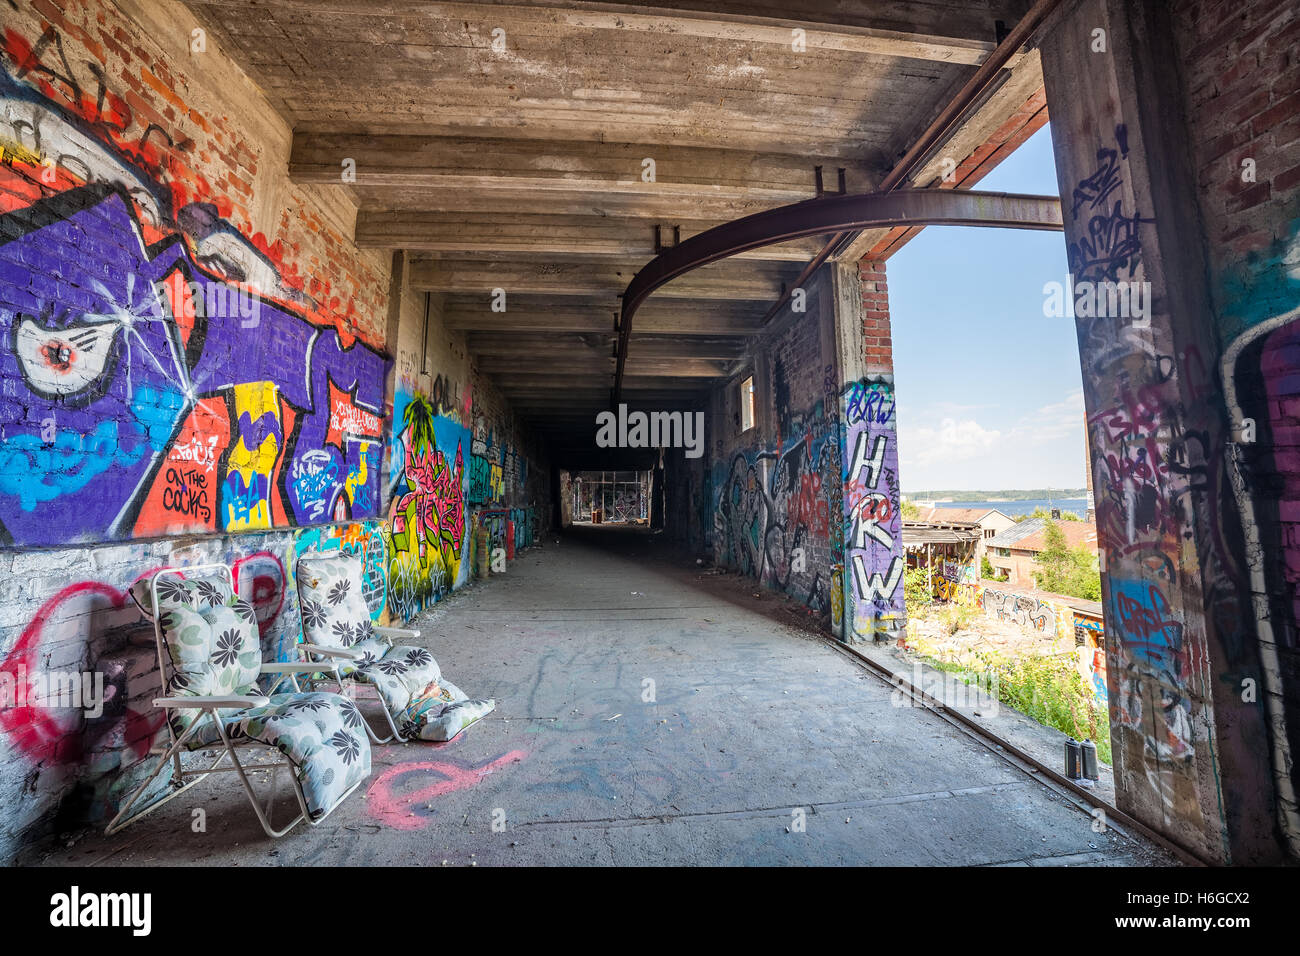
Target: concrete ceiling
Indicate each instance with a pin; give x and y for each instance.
(521, 167)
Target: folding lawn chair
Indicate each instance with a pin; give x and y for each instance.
(418, 702)
(209, 662)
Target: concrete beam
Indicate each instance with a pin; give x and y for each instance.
(746, 281)
(922, 31)
(548, 237)
(532, 167)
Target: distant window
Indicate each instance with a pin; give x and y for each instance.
(747, 404)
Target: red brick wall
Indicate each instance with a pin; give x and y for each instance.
(877, 343)
(1242, 71)
(197, 126)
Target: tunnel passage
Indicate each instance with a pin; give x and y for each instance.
(249, 312)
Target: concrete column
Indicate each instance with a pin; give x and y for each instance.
(1192, 750)
(870, 577)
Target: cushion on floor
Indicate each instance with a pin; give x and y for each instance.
(440, 711)
(321, 734)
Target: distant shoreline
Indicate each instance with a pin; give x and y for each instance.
(1031, 494)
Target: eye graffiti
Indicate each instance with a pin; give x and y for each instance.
(62, 363)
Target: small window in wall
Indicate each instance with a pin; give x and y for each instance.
(747, 404)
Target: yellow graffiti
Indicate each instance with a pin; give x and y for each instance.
(248, 507)
(357, 479)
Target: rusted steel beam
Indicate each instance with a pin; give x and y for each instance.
(833, 214)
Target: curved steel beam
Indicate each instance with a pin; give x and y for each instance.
(837, 213)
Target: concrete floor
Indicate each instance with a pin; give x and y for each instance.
(751, 720)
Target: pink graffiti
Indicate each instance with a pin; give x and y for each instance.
(267, 594)
(439, 505)
(401, 811)
(32, 729)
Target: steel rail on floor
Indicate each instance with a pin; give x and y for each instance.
(1113, 814)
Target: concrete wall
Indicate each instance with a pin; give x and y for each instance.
(199, 366)
(775, 489)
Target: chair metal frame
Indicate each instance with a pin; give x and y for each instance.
(209, 705)
(336, 654)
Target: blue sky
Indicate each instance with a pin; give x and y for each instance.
(989, 389)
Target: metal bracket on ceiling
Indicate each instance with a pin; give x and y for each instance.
(821, 190)
(659, 244)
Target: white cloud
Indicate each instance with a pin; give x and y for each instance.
(1057, 420)
(940, 447)
(953, 441)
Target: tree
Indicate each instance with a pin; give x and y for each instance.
(1041, 512)
(1066, 570)
(910, 511)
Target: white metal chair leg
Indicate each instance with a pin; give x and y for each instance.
(168, 755)
(252, 795)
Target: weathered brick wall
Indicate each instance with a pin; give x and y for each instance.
(163, 289)
(196, 369)
(877, 339)
(1241, 64)
(775, 488)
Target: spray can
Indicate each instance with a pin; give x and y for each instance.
(1073, 759)
(1090, 760)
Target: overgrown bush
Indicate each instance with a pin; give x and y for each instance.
(1044, 687)
(916, 592)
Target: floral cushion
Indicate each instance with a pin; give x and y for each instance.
(321, 734)
(211, 639)
(440, 711)
(195, 589)
(398, 675)
(334, 612)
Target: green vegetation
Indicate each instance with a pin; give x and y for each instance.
(1066, 570)
(952, 616)
(1051, 691)
(1044, 513)
(916, 593)
(1045, 687)
(910, 511)
(988, 572)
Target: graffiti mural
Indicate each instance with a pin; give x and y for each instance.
(873, 522)
(487, 481)
(1171, 579)
(1261, 374)
(145, 390)
(1030, 612)
(427, 518)
(772, 510)
(367, 540)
